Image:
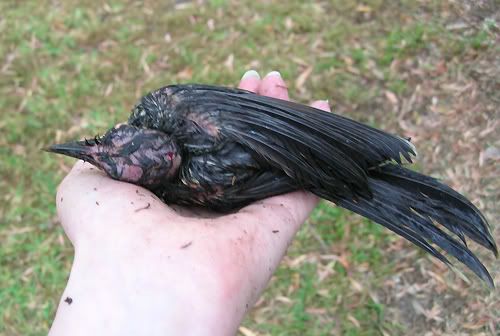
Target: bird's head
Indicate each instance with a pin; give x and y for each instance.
(127, 153)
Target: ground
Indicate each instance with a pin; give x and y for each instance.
(425, 69)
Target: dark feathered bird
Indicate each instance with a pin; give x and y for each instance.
(224, 148)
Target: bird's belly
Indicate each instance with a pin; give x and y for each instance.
(224, 180)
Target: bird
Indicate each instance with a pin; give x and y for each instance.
(223, 148)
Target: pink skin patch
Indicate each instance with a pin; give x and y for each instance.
(131, 173)
(176, 163)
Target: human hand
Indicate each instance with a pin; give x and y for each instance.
(142, 267)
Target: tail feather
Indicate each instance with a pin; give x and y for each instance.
(404, 231)
(453, 210)
(411, 205)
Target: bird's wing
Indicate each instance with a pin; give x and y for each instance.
(310, 145)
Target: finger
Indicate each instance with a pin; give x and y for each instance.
(273, 86)
(322, 105)
(250, 81)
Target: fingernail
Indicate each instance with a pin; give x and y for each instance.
(251, 74)
(274, 73)
(326, 101)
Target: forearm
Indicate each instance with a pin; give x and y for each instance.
(102, 298)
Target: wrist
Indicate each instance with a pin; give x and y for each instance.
(114, 295)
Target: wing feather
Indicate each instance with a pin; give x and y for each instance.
(310, 145)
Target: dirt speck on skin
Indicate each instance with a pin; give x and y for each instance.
(276, 231)
(187, 245)
(97, 203)
(62, 199)
(95, 189)
(68, 300)
(143, 208)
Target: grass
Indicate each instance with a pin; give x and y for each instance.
(73, 69)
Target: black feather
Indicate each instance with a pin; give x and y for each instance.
(317, 147)
(442, 203)
(414, 208)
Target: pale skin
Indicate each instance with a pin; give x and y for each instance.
(144, 268)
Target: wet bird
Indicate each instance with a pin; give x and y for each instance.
(223, 148)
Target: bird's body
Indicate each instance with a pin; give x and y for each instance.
(224, 148)
(234, 141)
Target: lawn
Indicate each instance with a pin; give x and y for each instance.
(425, 69)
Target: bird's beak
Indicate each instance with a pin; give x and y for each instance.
(78, 149)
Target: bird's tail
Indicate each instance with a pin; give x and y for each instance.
(418, 208)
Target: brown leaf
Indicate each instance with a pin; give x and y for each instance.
(316, 311)
(144, 63)
(284, 299)
(440, 68)
(211, 24)
(186, 73)
(109, 90)
(391, 97)
(246, 332)
(299, 82)
(228, 63)
(354, 321)
(356, 286)
(19, 150)
(299, 61)
(363, 9)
